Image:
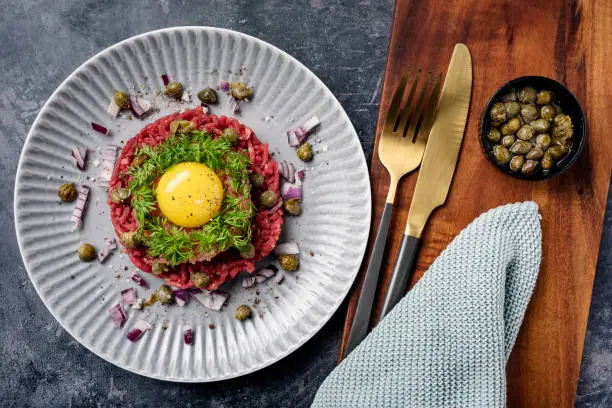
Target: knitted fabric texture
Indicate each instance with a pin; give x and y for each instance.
(447, 341)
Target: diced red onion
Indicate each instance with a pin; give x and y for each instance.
(79, 157)
(129, 296)
(139, 280)
(80, 206)
(266, 272)
(260, 279)
(279, 278)
(99, 128)
(224, 86)
(307, 127)
(291, 178)
(113, 108)
(117, 314)
(300, 174)
(111, 243)
(234, 105)
(205, 108)
(180, 302)
(283, 169)
(102, 255)
(276, 207)
(138, 330)
(139, 105)
(287, 248)
(202, 297)
(186, 95)
(188, 335)
(289, 191)
(165, 79)
(108, 164)
(211, 300)
(181, 297)
(248, 282)
(292, 138)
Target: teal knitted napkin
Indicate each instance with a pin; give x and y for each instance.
(447, 341)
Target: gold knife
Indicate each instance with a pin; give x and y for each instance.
(437, 168)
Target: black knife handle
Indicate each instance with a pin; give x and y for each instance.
(361, 320)
(402, 273)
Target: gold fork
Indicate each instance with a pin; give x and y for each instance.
(400, 149)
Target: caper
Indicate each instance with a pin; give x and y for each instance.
(248, 252)
(543, 140)
(242, 312)
(181, 126)
(527, 95)
(304, 152)
(501, 153)
(494, 135)
(159, 268)
(268, 198)
(257, 179)
(165, 295)
(526, 132)
(496, 124)
(131, 239)
(563, 126)
(139, 160)
(512, 109)
(510, 96)
(120, 195)
(498, 112)
(240, 91)
(199, 279)
(292, 206)
(529, 167)
(231, 134)
(547, 161)
(544, 97)
(535, 153)
(67, 192)
(208, 95)
(122, 99)
(174, 90)
(540, 125)
(520, 147)
(529, 113)
(556, 152)
(511, 126)
(516, 163)
(289, 263)
(562, 141)
(507, 141)
(547, 112)
(87, 252)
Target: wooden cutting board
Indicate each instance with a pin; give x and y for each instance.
(572, 43)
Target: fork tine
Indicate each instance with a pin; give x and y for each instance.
(396, 101)
(410, 127)
(430, 112)
(404, 114)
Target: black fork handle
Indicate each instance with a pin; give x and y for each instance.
(402, 273)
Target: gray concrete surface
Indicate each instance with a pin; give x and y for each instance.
(343, 42)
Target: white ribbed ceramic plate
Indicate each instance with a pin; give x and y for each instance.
(334, 226)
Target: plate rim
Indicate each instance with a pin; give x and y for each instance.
(316, 328)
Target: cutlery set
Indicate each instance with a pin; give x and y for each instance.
(427, 132)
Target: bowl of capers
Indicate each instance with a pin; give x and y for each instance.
(533, 128)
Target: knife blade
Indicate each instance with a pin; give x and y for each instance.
(437, 168)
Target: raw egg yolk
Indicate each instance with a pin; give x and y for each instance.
(189, 194)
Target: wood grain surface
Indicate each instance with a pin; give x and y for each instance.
(567, 41)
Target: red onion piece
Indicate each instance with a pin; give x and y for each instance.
(109, 156)
(289, 191)
(211, 300)
(165, 79)
(181, 297)
(79, 157)
(202, 297)
(234, 105)
(276, 207)
(291, 178)
(188, 335)
(139, 105)
(248, 282)
(266, 272)
(139, 280)
(260, 279)
(286, 248)
(186, 95)
(279, 278)
(113, 109)
(224, 86)
(292, 138)
(111, 243)
(99, 128)
(80, 206)
(283, 169)
(117, 314)
(102, 255)
(138, 330)
(129, 296)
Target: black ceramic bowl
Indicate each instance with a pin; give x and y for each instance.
(569, 105)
